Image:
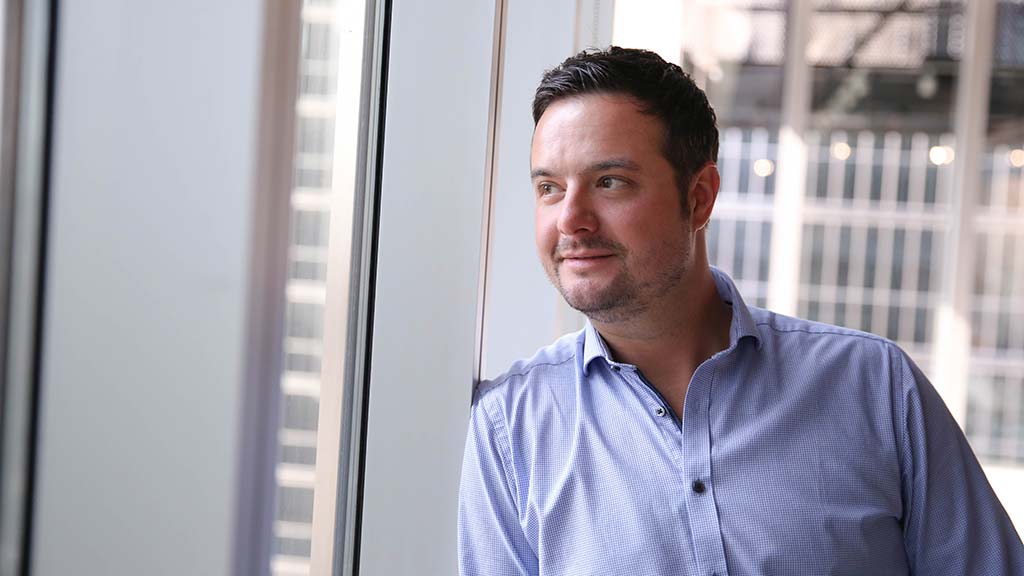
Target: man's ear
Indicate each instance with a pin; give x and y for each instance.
(702, 194)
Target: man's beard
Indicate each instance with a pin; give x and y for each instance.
(624, 296)
(615, 302)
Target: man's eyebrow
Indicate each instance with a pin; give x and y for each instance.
(601, 166)
(622, 163)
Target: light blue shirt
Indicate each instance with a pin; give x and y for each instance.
(802, 449)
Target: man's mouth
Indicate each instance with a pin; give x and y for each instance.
(581, 262)
(584, 256)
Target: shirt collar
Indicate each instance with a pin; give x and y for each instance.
(741, 326)
(593, 346)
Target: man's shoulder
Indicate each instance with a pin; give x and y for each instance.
(836, 360)
(772, 323)
(786, 331)
(550, 364)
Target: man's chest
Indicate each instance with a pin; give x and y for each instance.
(622, 493)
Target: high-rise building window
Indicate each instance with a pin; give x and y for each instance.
(322, 215)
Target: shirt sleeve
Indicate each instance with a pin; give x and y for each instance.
(491, 539)
(953, 523)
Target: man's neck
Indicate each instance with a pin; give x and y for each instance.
(670, 339)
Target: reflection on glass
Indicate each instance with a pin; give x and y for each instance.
(306, 290)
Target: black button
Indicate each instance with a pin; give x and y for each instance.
(616, 368)
(698, 486)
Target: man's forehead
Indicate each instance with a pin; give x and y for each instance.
(599, 130)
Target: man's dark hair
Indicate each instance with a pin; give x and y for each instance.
(661, 89)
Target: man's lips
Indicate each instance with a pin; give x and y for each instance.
(582, 262)
(584, 255)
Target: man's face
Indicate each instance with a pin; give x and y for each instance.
(610, 228)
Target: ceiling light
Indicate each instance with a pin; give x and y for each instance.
(941, 155)
(1017, 157)
(841, 150)
(764, 167)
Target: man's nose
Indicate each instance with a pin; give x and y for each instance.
(577, 212)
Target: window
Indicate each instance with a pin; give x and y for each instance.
(323, 213)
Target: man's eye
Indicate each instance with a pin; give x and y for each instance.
(609, 182)
(546, 189)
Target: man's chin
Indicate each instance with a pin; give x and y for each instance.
(592, 304)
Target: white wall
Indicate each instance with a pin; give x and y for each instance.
(152, 196)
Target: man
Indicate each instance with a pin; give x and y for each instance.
(682, 432)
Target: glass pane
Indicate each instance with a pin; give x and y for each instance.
(879, 171)
(322, 216)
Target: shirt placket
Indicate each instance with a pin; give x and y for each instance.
(702, 513)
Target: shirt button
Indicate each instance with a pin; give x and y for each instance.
(698, 487)
(615, 368)
(659, 411)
